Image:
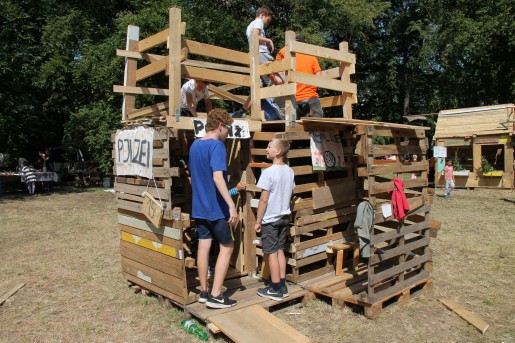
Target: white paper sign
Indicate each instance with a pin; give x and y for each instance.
(387, 210)
(326, 150)
(440, 151)
(134, 150)
(239, 128)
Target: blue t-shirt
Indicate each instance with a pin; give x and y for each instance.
(206, 157)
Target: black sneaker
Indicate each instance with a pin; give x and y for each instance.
(270, 293)
(220, 301)
(202, 297)
(284, 291)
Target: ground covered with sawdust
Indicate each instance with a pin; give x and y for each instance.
(65, 248)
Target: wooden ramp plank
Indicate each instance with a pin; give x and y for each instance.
(253, 324)
(470, 317)
(11, 292)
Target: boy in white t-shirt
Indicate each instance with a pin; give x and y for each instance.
(191, 93)
(273, 216)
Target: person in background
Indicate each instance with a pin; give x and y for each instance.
(450, 182)
(273, 216)
(213, 209)
(47, 167)
(30, 177)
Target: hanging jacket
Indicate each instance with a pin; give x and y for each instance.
(399, 201)
(363, 225)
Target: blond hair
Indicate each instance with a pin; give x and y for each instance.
(284, 146)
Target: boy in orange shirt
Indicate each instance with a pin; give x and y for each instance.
(307, 98)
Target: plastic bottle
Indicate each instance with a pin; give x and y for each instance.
(193, 329)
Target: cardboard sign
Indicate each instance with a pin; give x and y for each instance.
(152, 209)
(440, 151)
(326, 150)
(239, 128)
(133, 152)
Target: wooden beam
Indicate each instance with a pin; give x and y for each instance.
(140, 90)
(331, 101)
(318, 51)
(274, 67)
(468, 316)
(345, 79)
(131, 66)
(216, 66)
(149, 110)
(320, 82)
(277, 91)
(174, 65)
(214, 51)
(214, 75)
(254, 84)
(10, 292)
(227, 95)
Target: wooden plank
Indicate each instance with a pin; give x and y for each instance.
(318, 51)
(217, 52)
(382, 131)
(216, 66)
(140, 90)
(149, 244)
(154, 40)
(397, 168)
(330, 214)
(11, 292)
(215, 76)
(151, 69)
(158, 290)
(378, 150)
(374, 259)
(320, 82)
(404, 230)
(138, 190)
(395, 289)
(378, 277)
(321, 225)
(148, 111)
(174, 65)
(153, 259)
(253, 324)
(278, 91)
(294, 153)
(331, 101)
(274, 67)
(333, 73)
(227, 95)
(334, 194)
(383, 187)
(153, 236)
(465, 314)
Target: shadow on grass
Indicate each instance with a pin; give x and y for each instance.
(508, 200)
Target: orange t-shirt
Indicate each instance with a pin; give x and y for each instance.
(304, 64)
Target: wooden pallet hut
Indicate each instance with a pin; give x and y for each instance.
(322, 254)
(480, 142)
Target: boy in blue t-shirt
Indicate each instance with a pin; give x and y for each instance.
(273, 216)
(212, 206)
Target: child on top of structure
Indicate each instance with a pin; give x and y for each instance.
(273, 216)
(191, 93)
(266, 48)
(308, 102)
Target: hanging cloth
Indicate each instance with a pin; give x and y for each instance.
(399, 201)
(363, 225)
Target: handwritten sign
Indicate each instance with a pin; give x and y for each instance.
(239, 128)
(134, 150)
(440, 151)
(326, 150)
(152, 209)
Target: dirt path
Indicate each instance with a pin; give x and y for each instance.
(65, 248)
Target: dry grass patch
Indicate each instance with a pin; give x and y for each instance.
(65, 248)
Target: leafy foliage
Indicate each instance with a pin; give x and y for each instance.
(57, 61)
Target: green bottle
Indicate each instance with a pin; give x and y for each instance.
(193, 329)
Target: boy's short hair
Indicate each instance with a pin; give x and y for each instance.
(217, 116)
(265, 10)
(284, 146)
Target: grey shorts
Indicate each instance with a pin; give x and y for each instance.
(273, 235)
(315, 108)
(263, 58)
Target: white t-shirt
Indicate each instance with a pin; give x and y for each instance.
(189, 87)
(258, 24)
(278, 180)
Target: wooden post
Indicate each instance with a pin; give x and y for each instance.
(290, 111)
(254, 77)
(345, 71)
(131, 66)
(476, 157)
(174, 66)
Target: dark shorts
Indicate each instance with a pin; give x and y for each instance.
(273, 235)
(220, 229)
(310, 107)
(186, 113)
